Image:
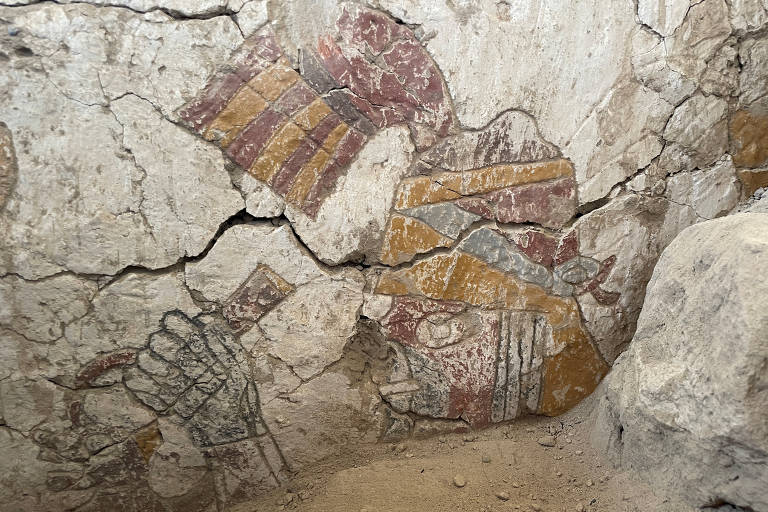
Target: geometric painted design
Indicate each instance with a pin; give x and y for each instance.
(256, 296)
(445, 186)
(198, 376)
(487, 332)
(383, 72)
(274, 126)
(407, 237)
(505, 172)
(298, 134)
(509, 347)
(449, 202)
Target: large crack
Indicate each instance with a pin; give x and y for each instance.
(220, 11)
(241, 217)
(225, 10)
(106, 103)
(282, 218)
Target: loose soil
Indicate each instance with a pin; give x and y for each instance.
(504, 467)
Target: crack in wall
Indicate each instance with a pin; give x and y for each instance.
(220, 11)
(244, 218)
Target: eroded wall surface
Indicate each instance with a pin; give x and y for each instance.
(240, 236)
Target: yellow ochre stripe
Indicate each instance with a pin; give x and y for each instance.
(239, 112)
(452, 185)
(312, 114)
(280, 147)
(313, 169)
(307, 176)
(274, 81)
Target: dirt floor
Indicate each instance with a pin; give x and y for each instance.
(504, 468)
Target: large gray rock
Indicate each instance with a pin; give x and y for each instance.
(685, 406)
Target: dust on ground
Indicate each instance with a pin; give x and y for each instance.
(503, 468)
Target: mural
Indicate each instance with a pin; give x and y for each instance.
(486, 333)
(251, 241)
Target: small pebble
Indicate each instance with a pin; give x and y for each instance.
(502, 495)
(579, 452)
(536, 507)
(580, 508)
(459, 481)
(13, 31)
(547, 441)
(486, 459)
(590, 483)
(441, 439)
(559, 473)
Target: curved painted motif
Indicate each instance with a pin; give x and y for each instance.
(486, 332)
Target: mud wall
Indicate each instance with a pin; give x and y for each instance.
(242, 235)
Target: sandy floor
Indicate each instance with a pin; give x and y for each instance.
(504, 469)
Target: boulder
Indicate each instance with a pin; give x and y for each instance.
(685, 406)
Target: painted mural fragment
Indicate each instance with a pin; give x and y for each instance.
(272, 124)
(449, 202)
(505, 173)
(488, 332)
(298, 133)
(197, 377)
(239, 239)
